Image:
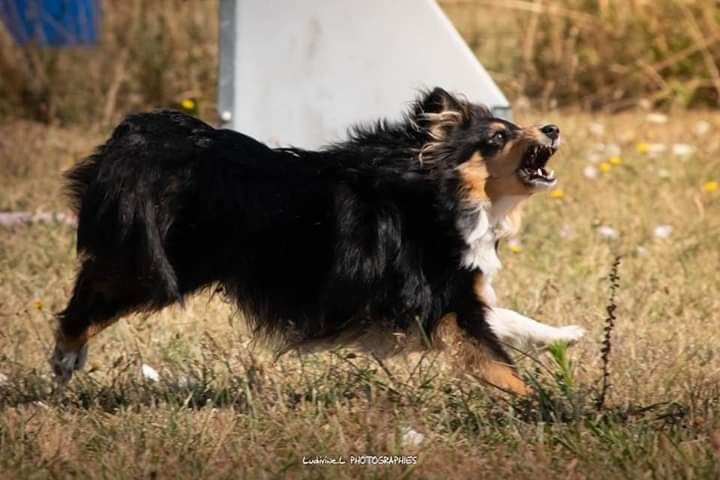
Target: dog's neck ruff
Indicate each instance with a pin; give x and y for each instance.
(491, 223)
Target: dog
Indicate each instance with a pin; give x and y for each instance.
(395, 228)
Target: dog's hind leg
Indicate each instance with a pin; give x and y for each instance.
(100, 296)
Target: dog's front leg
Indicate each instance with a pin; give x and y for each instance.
(469, 339)
(525, 333)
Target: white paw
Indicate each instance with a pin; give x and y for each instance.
(570, 334)
(65, 363)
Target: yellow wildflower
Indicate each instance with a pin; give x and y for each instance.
(38, 303)
(642, 147)
(615, 160)
(188, 104)
(711, 186)
(605, 167)
(557, 193)
(514, 245)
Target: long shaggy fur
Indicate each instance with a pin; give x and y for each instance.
(310, 244)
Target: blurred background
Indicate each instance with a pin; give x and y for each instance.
(608, 55)
(625, 245)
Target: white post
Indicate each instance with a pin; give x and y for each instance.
(300, 72)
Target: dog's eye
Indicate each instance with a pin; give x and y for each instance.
(499, 137)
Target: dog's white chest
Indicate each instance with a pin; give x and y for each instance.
(480, 254)
(491, 225)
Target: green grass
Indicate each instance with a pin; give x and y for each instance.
(224, 408)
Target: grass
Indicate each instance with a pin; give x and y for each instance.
(151, 53)
(610, 54)
(222, 408)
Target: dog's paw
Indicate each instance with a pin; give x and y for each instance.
(570, 334)
(64, 363)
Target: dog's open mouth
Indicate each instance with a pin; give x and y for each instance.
(532, 170)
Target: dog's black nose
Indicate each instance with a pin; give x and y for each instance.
(552, 131)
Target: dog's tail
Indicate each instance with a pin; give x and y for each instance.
(119, 197)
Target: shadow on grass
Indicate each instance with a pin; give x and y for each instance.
(450, 405)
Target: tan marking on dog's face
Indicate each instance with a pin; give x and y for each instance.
(473, 356)
(474, 176)
(503, 166)
(498, 127)
(495, 176)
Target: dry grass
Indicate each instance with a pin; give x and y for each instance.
(597, 53)
(152, 53)
(222, 408)
(592, 53)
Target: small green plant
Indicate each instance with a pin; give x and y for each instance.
(564, 368)
(558, 397)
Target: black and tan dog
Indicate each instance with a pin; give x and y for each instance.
(393, 229)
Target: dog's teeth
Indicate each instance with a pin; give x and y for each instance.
(551, 174)
(539, 172)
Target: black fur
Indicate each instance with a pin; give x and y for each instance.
(310, 244)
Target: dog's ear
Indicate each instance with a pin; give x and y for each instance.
(438, 112)
(438, 100)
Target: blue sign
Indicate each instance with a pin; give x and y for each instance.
(52, 22)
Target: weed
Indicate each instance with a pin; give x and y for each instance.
(614, 280)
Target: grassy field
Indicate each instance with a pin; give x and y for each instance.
(221, 407)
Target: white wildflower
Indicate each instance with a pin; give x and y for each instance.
(655, 117)
(662, 231)
(656, 148)
(682, 149)
(410, 437)
(150, 373)
(590, 172)
(701, 128)
(595, 157)
(597, 128)
(607, 232)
